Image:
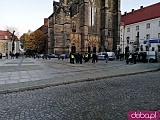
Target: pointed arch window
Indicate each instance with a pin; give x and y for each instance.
(92, 14)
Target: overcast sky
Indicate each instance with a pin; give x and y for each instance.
(29, 14)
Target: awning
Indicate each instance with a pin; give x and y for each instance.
(151, 41)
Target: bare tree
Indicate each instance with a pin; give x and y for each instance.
(11, 29)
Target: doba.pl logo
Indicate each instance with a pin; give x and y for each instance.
(143, 115)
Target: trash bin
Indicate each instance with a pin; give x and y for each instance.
(0, 55)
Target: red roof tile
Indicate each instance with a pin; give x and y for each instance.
(6, 33)
(142, 14)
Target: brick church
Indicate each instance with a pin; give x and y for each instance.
(84, 26)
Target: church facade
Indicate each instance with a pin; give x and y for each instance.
(84, 26)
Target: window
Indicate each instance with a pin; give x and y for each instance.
(158, 35)
(148, 25)
(147, 36)
(152, 48)
(128, 29)
(128, 40)
(137, 27)
(73, 27)
(147, 48)
(158, 48)
(92, 16)
(159, 23)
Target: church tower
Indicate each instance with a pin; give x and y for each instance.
(110, 15)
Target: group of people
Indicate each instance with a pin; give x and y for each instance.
(85, 57)
(78, 57)
(131, 58)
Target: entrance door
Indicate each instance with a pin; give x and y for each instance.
(73, 49)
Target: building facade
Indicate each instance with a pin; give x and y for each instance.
(6, 44)
(84, 26)
(140, 29)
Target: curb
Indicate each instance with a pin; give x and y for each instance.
(70, 82)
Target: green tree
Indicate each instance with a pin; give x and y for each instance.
(25, 41)
(38, 40)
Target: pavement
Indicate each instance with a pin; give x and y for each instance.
(28, 73)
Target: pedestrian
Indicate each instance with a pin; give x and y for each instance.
(106, 57)
(86, 57)
(130, 58)
(93, 57)
(80, 58)
(127, 57)
(77, 58)
(72, 58)
(134, 57)
(96, 57)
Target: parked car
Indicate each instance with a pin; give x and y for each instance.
(63, 56)
(101, 55)
(40, 55)
(52, 56)
(152, 56)
(111, 55)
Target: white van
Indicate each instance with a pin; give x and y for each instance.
(111, 55)
(101, 55)
(151, 55)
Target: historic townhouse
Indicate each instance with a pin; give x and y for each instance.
(84, 26)
(140, 29)
(6, 43)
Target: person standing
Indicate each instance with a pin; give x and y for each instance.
(93, 57)
(72, 58)
(127, 57)
(80, 58)
(106, 57)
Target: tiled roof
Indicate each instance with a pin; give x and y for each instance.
(142, 14)
(6, 33)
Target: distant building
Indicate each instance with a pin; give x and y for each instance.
(140, 29)
(6, 43)
(84, 26)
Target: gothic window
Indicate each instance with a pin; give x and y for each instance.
(73, 27)
(109, 3)
(74, 9)
(92, 16)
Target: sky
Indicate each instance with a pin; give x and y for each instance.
(24, 15)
